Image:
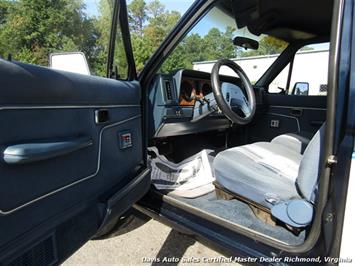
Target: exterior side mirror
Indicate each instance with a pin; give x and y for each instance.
(300, 88)
(69, 61)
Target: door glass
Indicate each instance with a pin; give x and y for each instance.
(150, 22)
(30, 31)
(102, 12)
(309, 73)
(279, 84)
(311, 67)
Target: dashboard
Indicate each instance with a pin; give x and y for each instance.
(172, 99)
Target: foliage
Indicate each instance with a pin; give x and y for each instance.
(194, 48)
(150, 24)
(137, 16)
(32, 29)
(306, 48)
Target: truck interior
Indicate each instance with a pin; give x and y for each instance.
(264, 148)
(237, 157)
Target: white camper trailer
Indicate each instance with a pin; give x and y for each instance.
(309, 66)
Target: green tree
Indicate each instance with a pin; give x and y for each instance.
(157, 23)
(213, 46)
(156, 10)
(194, 49)
(219, 44)
(102, 25)
(32, 29)
(137, 11)
(177, 60)
(4, 6)
(306, 48)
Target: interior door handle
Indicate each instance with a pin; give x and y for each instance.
(33, 152)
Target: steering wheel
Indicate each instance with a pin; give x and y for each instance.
(248, 106)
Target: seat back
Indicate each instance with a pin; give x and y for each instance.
(299, 212)
(307, 180)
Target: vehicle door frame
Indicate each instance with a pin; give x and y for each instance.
(120, 17)
(120, 20)
(191, 17)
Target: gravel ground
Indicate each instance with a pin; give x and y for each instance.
(151, 241)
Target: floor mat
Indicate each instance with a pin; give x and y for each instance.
(190, 178)
(240, 213)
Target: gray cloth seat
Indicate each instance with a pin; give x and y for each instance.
(263, 172)
(292, 141)
(270, 173)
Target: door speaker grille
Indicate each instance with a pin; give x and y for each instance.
(42, 253)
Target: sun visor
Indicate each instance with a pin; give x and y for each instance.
(301, 19)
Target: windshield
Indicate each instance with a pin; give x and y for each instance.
(212, 39)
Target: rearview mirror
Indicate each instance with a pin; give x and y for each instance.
(301, 88)
(246, 43)
(72, 62)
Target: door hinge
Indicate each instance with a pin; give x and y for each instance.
(332, 159)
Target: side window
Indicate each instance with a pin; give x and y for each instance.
(32, 31)
(309, 73)
(104, 14)
(279, 84)
(150, 22)
(120, 63)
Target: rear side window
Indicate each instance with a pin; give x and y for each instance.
(32, 30)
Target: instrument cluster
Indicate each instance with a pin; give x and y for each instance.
(193, 88)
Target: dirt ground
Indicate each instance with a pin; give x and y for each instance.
(151, 244)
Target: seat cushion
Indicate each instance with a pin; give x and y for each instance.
(262, 172)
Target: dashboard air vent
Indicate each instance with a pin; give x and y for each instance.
(168, 90)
